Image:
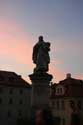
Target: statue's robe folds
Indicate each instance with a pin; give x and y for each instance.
(40, 56)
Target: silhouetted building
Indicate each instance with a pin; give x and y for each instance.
(67, 101)
(15, 95)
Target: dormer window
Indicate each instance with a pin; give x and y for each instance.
(59, 90)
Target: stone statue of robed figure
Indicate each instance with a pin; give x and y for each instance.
(40, 78)
(41, 55)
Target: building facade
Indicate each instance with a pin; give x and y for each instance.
(67, 101)
(15, 95)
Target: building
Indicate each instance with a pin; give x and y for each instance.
(15, 95)
(67, 101)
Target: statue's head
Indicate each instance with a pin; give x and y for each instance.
(40, 38)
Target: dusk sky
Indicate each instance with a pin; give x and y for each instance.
(59, 21)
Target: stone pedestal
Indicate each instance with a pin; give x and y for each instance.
(40, 90)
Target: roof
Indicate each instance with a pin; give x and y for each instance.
(71, 81)
(72, 88)
(8, 78)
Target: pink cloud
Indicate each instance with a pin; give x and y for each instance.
(57, 73)
(79, 76)
(65, 45)
(15, 43)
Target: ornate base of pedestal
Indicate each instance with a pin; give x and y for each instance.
(40, 90)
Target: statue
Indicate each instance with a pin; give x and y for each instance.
(40, 55)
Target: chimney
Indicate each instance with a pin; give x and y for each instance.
(68, 75)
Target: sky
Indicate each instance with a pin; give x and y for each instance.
(59, 21)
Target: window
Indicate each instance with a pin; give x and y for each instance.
(53, 103)
(1, 90)
(81, 81)
(9, 114)
(63, 121)
(72, 104)
(62, 104)
(0, 100)
(0, 114)
(19, 113)
(79, 104)
(11, 91)
(20, 102)
(58, 104)
(59, 91)
(1, 78)
(10, 101)
(21, 91)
